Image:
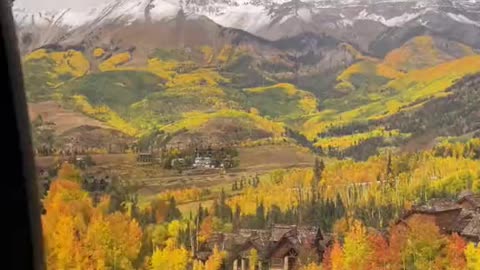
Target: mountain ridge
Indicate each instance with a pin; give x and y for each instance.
(276, 19)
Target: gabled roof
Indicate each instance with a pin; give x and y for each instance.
(278, 231)
(266, 242)
(473, 199)
(310, 233)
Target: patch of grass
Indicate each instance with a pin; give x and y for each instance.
(45, 71)
(194, 120)
(116, 89)
(281, 101)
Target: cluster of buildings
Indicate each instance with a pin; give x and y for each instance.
(283, 247)
(278, 248)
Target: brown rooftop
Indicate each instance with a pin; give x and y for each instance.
(278, 231)
(436, 206)
(472, 199)
(462, 216)
(472, 230)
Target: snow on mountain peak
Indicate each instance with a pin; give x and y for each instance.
(257, 15)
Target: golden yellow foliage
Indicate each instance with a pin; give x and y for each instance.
(200, 77)
(405, 58)
(405, 93)
(98, 52)
(422, 52)
(287, 88)
(356, 248)
(104, 114)
(215, 261)
(343, 142)
(439, 77)
(71, 62)
(279, 182)
(161, 68)
(344, 86)
(113, 241)
(368, 68)
(438, 174)
(358, 68)
(198, 265)
(253, 259)
(170, 258)
(69, 172)
(472, 254)
(116, 60)
(36, 55)
(194, 120)
(182, 196)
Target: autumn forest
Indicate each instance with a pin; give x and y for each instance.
(338, 136)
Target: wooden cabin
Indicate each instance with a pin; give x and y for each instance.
(277, 248)
(461, 217)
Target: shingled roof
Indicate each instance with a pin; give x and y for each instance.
(278, 231)
(462, 220)
(265, 241)
(472, 199)
(436, 206)
(472, 230)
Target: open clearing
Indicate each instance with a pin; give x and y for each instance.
(64, 120)
(255, 160)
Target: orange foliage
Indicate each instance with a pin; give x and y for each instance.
(380, 257)
(456, 252)
(422, 52)
(336, 257)
(206, 229)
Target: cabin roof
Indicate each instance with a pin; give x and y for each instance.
(472, 229)
(436, 206)
(462, 220)
(268, 242)
(473, 199)
(278, 231)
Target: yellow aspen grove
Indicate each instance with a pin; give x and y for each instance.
(472, 254)
(215, 261)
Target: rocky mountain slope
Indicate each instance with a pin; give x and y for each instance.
(330, 75)
(373, 26)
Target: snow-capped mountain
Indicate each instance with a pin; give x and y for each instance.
(360, 22)
(252, 15)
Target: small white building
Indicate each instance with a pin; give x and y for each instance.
(203, 163)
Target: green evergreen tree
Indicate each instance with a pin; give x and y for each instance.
(172, 212)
